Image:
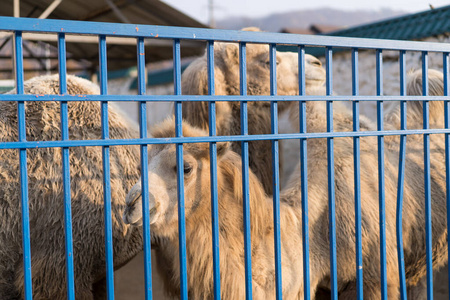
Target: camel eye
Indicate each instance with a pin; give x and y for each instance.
(268, 63)
(316, 63)
(187, 169)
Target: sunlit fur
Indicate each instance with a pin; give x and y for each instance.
(415, 121)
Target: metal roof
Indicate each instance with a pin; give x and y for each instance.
(416, 26)
(152, 12)
(409, 27)
(121, 52)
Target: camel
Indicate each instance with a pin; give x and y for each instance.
(415, 121)
(163, 216)
(229, 174)
(226, 78)
(46, 195)
(416, 286)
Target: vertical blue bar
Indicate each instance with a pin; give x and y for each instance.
(275, 169)
(446, 71)
(180, 172)
(66, 167)
(18, 48)
(427, 179)
(144, 172)
(213, 171)
(331, 191)
(245, 174)
(357, 177)
(401, 179)
(106, 170)
(304, 175)
(381, 195)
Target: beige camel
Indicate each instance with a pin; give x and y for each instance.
(46, 195)
(414, 118)
(164, 218)
(226, 78)
(415, 121)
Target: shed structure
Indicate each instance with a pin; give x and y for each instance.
(83, 50)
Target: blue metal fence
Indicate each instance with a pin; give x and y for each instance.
(141, 33)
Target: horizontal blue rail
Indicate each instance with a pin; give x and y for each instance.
(230, 98)
(209, 139)
(167, 32)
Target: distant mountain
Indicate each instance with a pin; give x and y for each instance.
(304, 18)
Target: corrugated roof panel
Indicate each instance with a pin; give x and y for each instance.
(410, 27)
(417, 26)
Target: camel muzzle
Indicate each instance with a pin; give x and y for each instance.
(133, 210)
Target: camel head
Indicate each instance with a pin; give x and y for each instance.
(415, 109)
(435, 88)
(258, 69)
(226, 71)
(162, 172)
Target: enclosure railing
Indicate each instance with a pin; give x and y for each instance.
(19, 26)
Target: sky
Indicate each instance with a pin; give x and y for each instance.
(198, 9)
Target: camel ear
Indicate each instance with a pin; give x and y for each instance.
(232, 53)
(222, 148)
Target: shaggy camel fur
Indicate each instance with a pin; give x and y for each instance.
(226, 78)
(415, 121)
(198, 232)
(416, 289)
(46, 194)
(163, 216)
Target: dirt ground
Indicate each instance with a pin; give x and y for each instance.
(441, 284)
(129, 282)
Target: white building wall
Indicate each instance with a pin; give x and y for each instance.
(342, 72)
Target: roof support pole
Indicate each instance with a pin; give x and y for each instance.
(16, 12)
(50, 9)
(117, 12)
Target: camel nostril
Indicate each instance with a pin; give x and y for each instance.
(132, 215)
(133, 195)
(316, 63)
